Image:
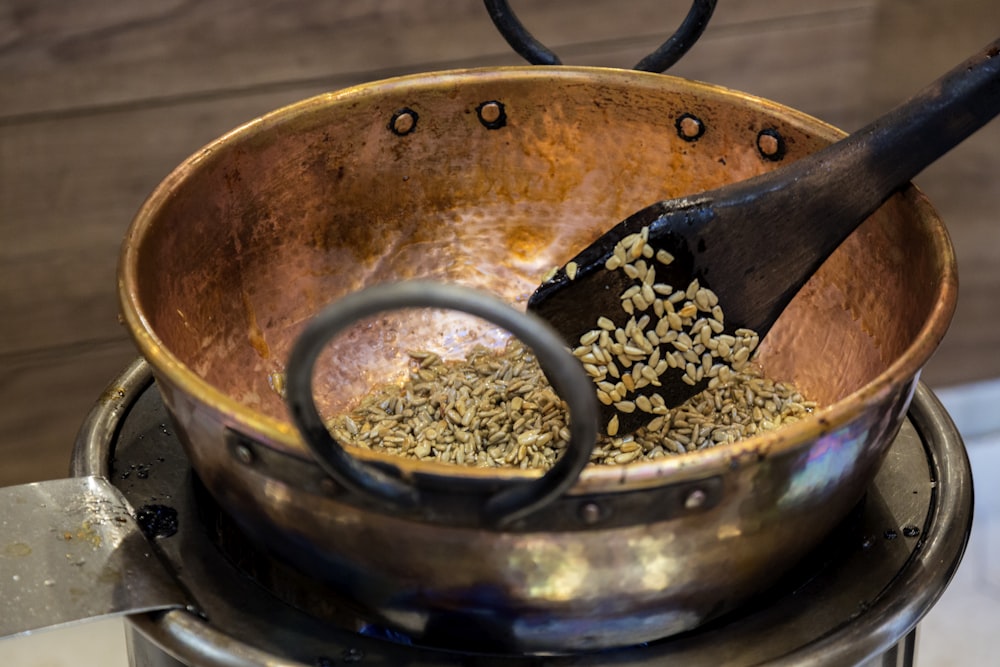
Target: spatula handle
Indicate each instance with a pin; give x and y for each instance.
(875, 161)
(835, 189)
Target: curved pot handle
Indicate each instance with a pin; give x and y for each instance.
(664, 57)
(390, 491)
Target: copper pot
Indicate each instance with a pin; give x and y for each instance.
(467, 177)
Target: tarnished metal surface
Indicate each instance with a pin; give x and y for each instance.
(852, 600)
(70, 550)
(250, 237)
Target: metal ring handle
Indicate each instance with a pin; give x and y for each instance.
(536, 53)
(563, 371)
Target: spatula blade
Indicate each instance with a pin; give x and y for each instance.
(70, 550)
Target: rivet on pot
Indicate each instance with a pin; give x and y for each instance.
(695, 499)
(403, 122)
(243, 454)
(770, 144)
(590, 513)
(689, 127)
(492, 115)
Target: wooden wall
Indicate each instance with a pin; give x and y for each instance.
(99, 99)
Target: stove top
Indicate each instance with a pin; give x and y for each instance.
(857, 595)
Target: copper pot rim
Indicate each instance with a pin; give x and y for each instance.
(283, 436)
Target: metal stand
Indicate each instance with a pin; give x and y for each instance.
(856, 601)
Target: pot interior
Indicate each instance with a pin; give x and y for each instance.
(252, 236)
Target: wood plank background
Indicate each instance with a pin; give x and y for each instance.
(99, 99)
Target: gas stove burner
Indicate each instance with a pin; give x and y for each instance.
(856, 598)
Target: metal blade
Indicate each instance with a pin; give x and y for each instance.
(71, 550)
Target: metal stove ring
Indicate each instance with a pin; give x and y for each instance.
(930, 563)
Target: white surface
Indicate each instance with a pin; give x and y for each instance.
(92, 644)
(973, 408)
(961, 630)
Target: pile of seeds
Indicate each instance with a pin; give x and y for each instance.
(688, 323)
(488, 410)
(498, 410)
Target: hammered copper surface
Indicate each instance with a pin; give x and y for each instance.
(332, 200)
(254, 234)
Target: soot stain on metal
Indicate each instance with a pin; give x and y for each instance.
(352, 655)
(141, 471)
(157, 520)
